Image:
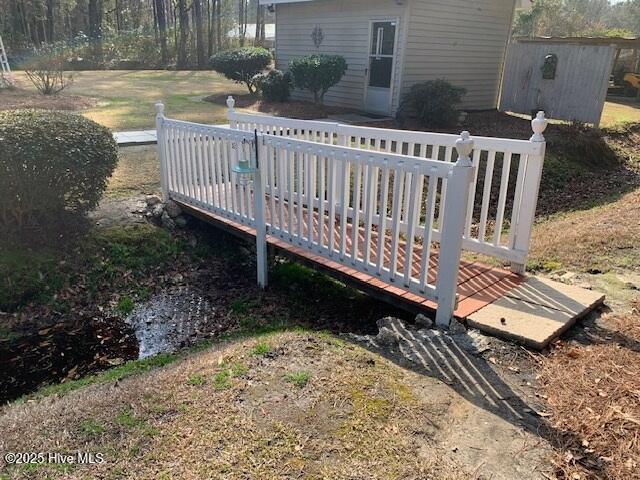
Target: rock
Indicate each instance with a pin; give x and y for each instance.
(472, 341)
(422, 321)
(387, 337)
(388, 322)
(157, 210)
(167, 222)
(180, 221)
(172, 208)
(152, 200)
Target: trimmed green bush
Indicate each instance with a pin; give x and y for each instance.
(433, 103)
(51, 163)
(275, 86)
(242, 65)
(317, 73)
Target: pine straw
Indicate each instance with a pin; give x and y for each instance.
(593, 393)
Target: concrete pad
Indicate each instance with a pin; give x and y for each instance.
(559, 296)
(536, 312)
(141, 137)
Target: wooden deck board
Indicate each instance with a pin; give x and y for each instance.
(478, 284)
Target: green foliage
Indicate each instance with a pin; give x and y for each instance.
(111, 256)
(242, 65)
(27, 276)
(275, 86)
(125, 305)
(196, 380)
(52, 163)
(261, 349)
(133, 367)
(222, 380)
(299, 379)
(433, 103)
(317, 73)
(91, 427)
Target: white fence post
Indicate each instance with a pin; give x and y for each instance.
(260, 220)
(162, 150)
(231, 103)
(528, 203)
(452, 230)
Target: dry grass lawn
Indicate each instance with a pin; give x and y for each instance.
(602, 238)
(593, 393)
(620, 110)
(137, 173)
(292, 405)
(124, 100)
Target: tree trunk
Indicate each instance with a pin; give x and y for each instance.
(51, 20)
(161, 16)
(242, 21)
(183, 18)
(218, 25)
(200, 46)
(95, 28)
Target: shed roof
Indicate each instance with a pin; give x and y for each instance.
(275, 2)
(619, 42)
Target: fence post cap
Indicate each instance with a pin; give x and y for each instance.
(231, 102)
(538, 125)
(464, 147)
(159, 108)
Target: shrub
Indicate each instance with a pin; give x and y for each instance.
(51, 163)
(46, 70)
(433, 103)
(275, 86)
(318, 73)
(242, 65)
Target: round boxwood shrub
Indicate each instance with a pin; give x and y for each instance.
(275, 86)
(433, 103)
(51, 163)
(317, 73)
(242, 65)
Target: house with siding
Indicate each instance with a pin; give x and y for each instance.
(390, 45)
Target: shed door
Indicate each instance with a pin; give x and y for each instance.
(380, 71)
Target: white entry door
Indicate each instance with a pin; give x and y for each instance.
(381, 63)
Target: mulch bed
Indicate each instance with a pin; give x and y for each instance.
(11, 99)
(593, 393)
(292, 108)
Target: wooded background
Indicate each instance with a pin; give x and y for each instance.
(180, 33)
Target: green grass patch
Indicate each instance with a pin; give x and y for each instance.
(125, 305)
(127, 419)
(91, 427)
(196, 380)
(299, 379)
(261, 349)
(28, 276)
(116, 373)
(222, 380)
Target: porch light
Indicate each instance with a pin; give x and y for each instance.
(244, 169)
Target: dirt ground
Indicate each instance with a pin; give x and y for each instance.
(292, 405)
(12, 99)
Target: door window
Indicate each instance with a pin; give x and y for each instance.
(381, 54)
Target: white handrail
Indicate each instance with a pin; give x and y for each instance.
(504, 195)
(372, 211)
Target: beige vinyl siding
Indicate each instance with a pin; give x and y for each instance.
(462, 41)
(345, 24)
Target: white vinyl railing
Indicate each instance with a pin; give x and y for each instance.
(502, 196)
(373, 211)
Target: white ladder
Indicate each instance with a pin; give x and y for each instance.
(6, 79)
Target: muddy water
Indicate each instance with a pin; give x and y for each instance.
(171, 320)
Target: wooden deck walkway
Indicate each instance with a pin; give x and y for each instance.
(478, 284)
